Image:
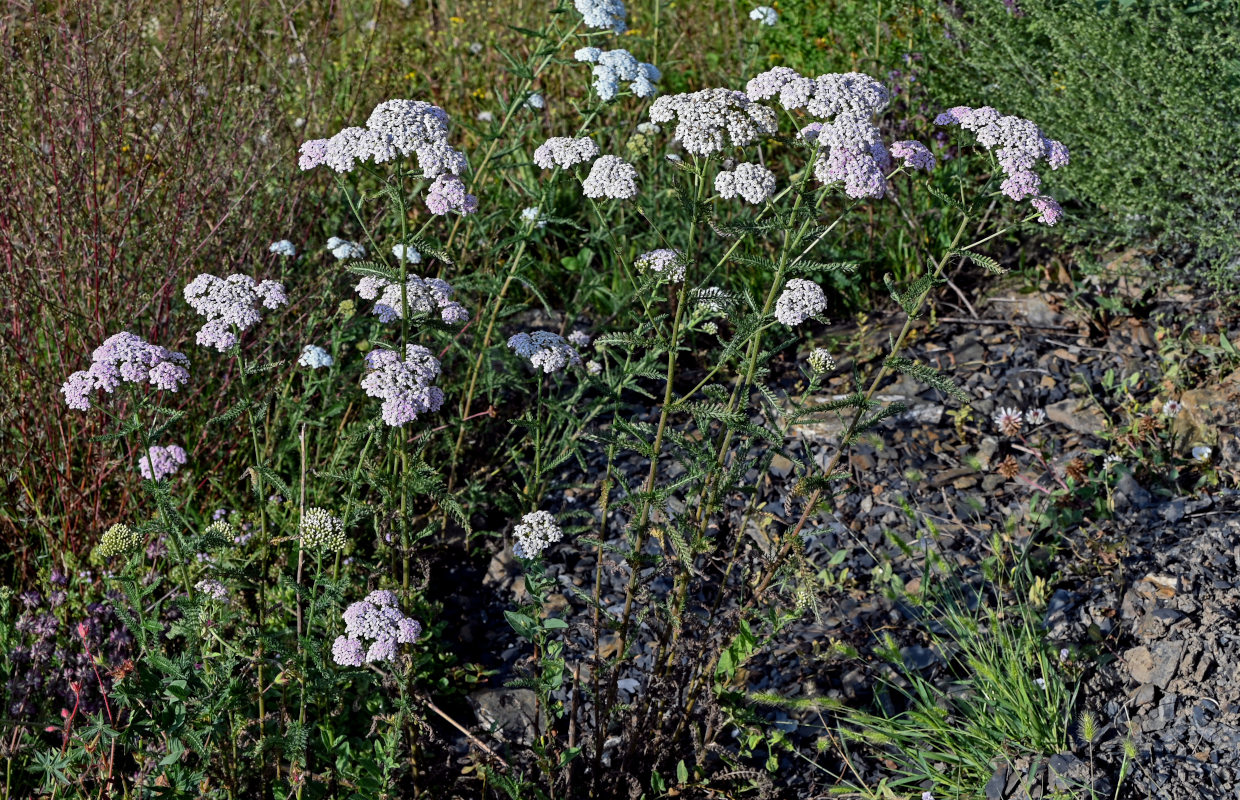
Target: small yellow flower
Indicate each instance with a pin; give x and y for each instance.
(124, 148)
(456, 20)
(820, 43)
(411, 75)
(480, 94)
(775, 58)
(633, 32)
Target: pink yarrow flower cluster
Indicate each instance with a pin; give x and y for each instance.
(1019, 145)
(231, 305)
(129, 358)
(856, 155)
(374, 629)
(915, 155)
(165, 461)
(404, 386)
(423, 295)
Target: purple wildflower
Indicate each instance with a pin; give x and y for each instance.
(404, 386)
(166, 461)
(915, 155)
(231, 305)
(125, 357)
(544, 350)
(423, 296)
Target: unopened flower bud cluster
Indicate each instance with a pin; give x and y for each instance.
(320, 529)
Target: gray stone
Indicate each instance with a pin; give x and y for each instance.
(1076, 416)
(509, 714)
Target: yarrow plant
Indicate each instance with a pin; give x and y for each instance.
(535, 533)
(161, 462)
(321, 529)
(565, 152)
(667, 264)
(764, 15)
(405, 386)
(419, 295)
(283, 248)
(800, 300)
(374, 630)
(231, 305)
(611, 177)
(545, 350)
(602, 14)
(611, 67)
(124, 357)
(343, 249)
(753, 183)
(315, 357)
(711, 120)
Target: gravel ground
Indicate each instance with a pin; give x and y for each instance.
(1150, 592)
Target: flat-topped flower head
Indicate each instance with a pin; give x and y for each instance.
(535, 533)
(165, 461)
(320, 529)
(800, 300)
(768, 84)
(579, 338)
(212, 590)
(602, 14)
(565, 152)
(396, 128)
(753, 183)
(668, 264)
(545, 350)
(764, 15)
(447, 194)
(423, 296)
(611, 67)
(374, 629)
(914, 154)
(404, 386)
(611, 176)
(315, 357)
(343, 249)
(533, 216)
(231, 305)
(283, 248)
(119, 540)
(125, 357)
(1019, 145)
(709, 121)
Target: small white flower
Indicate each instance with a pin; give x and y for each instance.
(475, 48)
(531, 215)
(1202, 453)
(315, 357)
(1035, 416)
(593, 367)
(1172, 408)
(764, 15)
(535, 101)
(344, 249)
(536, 531)
(406, 253)
(1008, 420)
(485, 116)
(283, 248)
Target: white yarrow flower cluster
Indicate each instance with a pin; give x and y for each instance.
(821, 360)
(764, 15)
(800, 300)
(404, 386)
(564, 152)
(711, 120)
(315, 357)
(396, 128)
(611, 176)
(321, 529)
(666, 263)
(125, 357)
(535, 101)
(343, 249)
(403, 252)
(613, 66)
(283, 248)
(535, 533)
(231, 305)
(423, 295)
(602, 14)
(753, 183)
(545, 350)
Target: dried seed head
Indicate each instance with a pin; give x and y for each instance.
(1009, 468)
